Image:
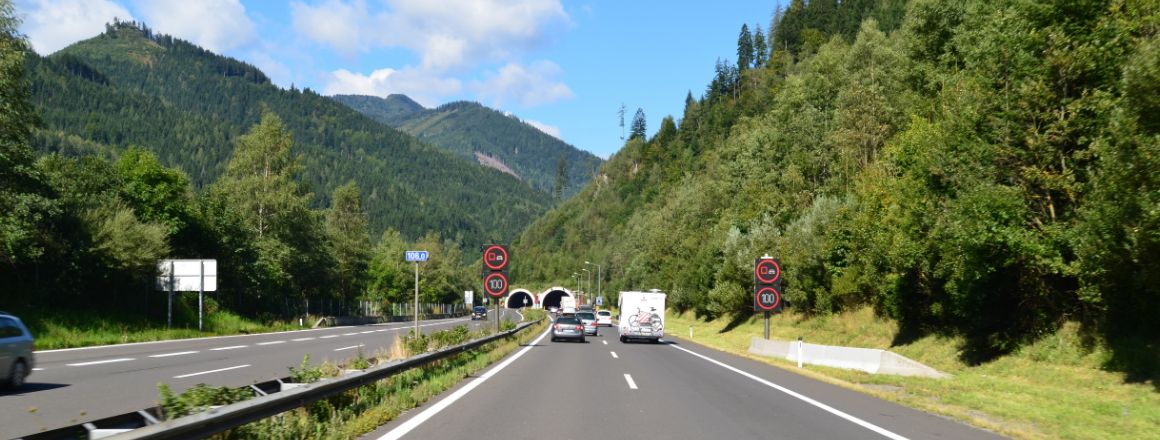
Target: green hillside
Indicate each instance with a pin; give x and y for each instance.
(979, 169)
(468, 129)
(130, 87)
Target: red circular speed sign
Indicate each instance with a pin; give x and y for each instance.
(495, 257)
(767, 271)
(495, 284)
(767, 298)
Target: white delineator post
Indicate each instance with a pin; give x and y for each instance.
(799, 344)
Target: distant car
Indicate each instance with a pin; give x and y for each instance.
(604, 318)
(588, 319)
(16, 347)
(567, 327)
(568, 311)
(585, 308)
(478, 312)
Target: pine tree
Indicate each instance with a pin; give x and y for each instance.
(639, 128)
(760, 51)
(744, 48)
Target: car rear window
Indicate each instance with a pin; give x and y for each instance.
(567, 320)
(604, 313)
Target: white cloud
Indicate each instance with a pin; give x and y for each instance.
(445, 34)
(53, 24)
(530, 86)
(424, 88)
(217, 25)
(550, 130)
(335, 23)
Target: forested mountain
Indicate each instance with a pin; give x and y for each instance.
(128, 86)
(978, 168)
(484, 134)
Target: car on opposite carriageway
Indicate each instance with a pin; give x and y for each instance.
(478, 312)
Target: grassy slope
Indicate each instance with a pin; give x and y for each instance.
(1054, 388)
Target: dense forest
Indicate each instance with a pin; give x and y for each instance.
(468, 128)
(977, 168)
(131, 87)
(130, 148)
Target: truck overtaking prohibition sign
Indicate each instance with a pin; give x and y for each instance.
(495, 257)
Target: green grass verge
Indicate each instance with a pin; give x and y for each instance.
(69, 329)
(364, 409)
(1053, 388)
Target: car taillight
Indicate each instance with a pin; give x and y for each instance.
(579, 327)
(557, 326)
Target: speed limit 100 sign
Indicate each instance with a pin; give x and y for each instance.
(495, 284)
(767, 299)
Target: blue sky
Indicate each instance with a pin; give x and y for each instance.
(565, 67)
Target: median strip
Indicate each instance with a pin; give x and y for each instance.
(180, 353)
(183, 376)
(107, 361)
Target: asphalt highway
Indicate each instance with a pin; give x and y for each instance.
(674, 390)
(73, 386)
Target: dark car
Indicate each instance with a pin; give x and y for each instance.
(16, 347)
(479, 312)
(567, 327)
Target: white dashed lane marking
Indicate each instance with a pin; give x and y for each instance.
(183, 376)
(180, 353)
(232, 347)
(106, 361)
(348, 348)
(631, 383)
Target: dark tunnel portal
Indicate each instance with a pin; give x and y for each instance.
(520, 300)
(552, 299)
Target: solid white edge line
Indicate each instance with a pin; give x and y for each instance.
(802, 397)
(229, 348)
(631, 383)
(183, 376)
(614, 356)
(271, 342)
(173, 354)
(106, 361)
(348, 348)
(414, 422)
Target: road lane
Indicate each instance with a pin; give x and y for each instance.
(78, 385)
(648, 391)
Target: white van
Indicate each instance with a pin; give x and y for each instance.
(642, 315)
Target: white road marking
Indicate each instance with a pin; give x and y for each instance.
(180, 353)
(605, 342)
(414, 422)
(348, 348)
(232, 347)
(368, 331)
(329, 336)
(183, 376)
(302, 339)
(271, 342)
(106, 361)
(631, 384)
(801, 397)
(614, 356)
(37, 369)
(350, 334)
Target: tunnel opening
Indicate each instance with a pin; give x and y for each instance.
(520, 299)
(553, 298)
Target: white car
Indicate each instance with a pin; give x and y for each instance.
(604, 318)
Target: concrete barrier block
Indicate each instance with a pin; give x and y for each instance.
(870, 360)
(771, 348)
(893, 363)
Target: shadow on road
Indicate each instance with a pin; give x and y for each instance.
(31, 387)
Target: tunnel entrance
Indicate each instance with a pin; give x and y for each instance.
(520, 298)
(552, 298)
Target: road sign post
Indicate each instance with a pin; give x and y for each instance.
(495, 276)
(767, 287)
(416, 257)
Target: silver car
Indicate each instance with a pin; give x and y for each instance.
(588, 319)
(567, 327)
(16, 345)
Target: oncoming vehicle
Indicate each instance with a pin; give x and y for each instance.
(16, 347)
(478, 312)
(567, 327)
(604, 318)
